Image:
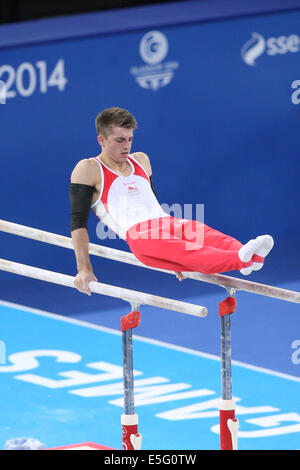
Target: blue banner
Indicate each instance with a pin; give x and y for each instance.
(217, 109)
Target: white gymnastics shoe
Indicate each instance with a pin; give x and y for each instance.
(257, 266)
(248, 250)
(265, 246)
(260, 246)
(247, 271)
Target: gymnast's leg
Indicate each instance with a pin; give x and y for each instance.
(174, 249)
(182, 245)
(255, 250)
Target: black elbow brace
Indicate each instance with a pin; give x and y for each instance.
(80, 199)
(152, 187)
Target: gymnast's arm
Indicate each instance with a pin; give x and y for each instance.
(82, 187)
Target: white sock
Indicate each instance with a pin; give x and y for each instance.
(248, 250)
(257, 266)
(266, 244)
(246, 271)
(260, 246)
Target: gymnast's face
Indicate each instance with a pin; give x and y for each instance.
(117, 145)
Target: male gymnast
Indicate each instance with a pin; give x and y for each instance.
(117, 186)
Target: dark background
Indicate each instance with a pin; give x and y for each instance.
(12, 11)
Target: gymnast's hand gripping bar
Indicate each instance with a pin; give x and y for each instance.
(128, 295)
(125, 257)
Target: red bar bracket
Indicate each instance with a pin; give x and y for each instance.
(228, 425)
(227, 307)
(131, 320)
(132, 440)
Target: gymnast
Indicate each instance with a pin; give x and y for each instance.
(117, 186)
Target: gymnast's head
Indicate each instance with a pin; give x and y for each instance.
(114, 127)
(114, 117)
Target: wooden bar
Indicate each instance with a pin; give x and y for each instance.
(125, 257)
(128, 295)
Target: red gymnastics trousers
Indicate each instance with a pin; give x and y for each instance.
(184, 245)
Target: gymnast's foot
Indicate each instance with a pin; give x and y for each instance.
(258, 262)
(266, 245)
(255, 250)
(247, 271)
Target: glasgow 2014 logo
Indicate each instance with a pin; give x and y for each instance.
(156, 73)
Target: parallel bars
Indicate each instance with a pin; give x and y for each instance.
(131, 438)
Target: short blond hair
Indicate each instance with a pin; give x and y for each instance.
(110, 117)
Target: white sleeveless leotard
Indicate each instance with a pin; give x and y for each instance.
(126, 200)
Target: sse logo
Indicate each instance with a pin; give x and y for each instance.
(258, 45)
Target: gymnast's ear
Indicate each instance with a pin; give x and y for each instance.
(100, 139)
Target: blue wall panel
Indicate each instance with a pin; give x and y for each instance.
(221, 132)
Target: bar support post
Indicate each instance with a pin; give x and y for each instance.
(228, 423)
(131, 439)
